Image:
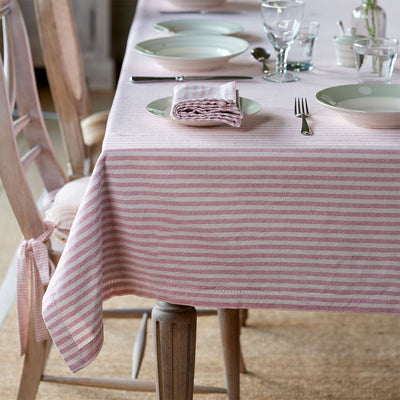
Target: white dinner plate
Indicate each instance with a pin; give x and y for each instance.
(373, 105)
(198, 27)
(193, 53)
(162, 108)
(197, 4)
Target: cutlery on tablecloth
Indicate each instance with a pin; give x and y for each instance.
(203, 12)
(262, 55)
(147, 79)
(301, 110)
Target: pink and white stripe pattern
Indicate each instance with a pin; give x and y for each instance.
(230, 229)
(193, 102)
(258, 216)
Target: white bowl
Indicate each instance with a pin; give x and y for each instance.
(189, 53)
(375, 105)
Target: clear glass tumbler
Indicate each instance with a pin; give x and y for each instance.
(301, 51)
(375, 59)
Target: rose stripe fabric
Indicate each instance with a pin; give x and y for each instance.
(33, 261)
(258, 216)
(193, 102)
(240, 233)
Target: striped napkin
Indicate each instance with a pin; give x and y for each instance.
(193, 102)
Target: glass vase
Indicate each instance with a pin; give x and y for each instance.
(369, 19)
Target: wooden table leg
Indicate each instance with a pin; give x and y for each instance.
(174, 330)
(229, 324)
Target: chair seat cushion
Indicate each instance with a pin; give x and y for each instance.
(64, 207)
(94, 128)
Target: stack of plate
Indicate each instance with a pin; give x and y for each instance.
(198, 27)
(197, 4)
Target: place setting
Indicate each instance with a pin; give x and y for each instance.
(203, 45)
(205, 106)
(374, 102)
(191, 49)
(196, 46)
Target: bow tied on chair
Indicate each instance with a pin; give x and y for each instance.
(33, 258)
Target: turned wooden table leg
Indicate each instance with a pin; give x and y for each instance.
(174, 330)
(229, 323)
(244, 313)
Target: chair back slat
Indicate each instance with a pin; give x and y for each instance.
(65, 72)
(30, 156)
(21, 123)
(64, 24)
(9, 66)
(30, 122)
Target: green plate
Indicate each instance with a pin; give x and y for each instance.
(162, 108)
(368, 105)
(193, 53)
(198, 27)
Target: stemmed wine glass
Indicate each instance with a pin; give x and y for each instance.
(282, 20)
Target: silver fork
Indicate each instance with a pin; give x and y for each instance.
(301, 110)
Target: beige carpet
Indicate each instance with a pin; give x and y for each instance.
(289, 356)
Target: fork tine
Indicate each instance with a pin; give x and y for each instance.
(295, 106)
(302, 106)
(305, 102)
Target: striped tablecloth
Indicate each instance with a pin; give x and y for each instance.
(258, 216)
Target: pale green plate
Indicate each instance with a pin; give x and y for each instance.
(198, 27)
(368, 105)
(193, 53)
(162, 108)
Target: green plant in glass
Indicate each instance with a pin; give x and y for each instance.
(369, 19)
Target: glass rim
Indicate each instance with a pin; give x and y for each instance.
(276, 3)
(307, 22)
(376, 42)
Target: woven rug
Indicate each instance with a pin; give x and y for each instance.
(288, 355)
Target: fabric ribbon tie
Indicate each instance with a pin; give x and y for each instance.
(33, 261)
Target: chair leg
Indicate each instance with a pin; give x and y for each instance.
(139, 347)
(174, 331)
(229, 324)
(34, 363)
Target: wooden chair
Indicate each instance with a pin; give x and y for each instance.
(82, 130)
(18, 96)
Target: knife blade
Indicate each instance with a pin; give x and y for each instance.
(204, 12)
(147, 79)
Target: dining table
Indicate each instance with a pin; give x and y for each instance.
(256, 216)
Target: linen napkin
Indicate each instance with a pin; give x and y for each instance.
(194, 102)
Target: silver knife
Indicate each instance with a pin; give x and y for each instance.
(204, 12)
(147, 79)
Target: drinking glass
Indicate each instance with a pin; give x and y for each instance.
(375, 59)
(301, 51)
(282, 20)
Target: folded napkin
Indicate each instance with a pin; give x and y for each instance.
(193, 102)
